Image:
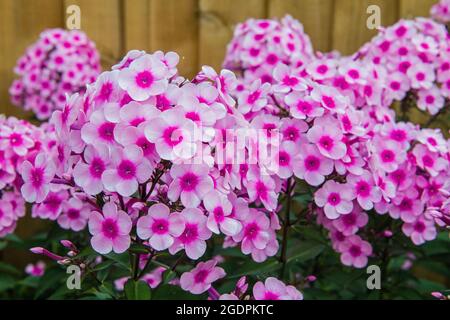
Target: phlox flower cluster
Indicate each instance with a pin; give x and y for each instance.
(339, 134)
(60, 62)
(20, 141)
(441, 11)
(258, 45)
(415, 56)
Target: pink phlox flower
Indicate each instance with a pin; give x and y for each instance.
(335, 198)
(274, 289)
(199, 279)
(220, 209)
(37, 178)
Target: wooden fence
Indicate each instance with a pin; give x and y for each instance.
(197, 29)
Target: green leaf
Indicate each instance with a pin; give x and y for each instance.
(7, 268)
(3, 244)
(138, 248)
(137, 290)
(171, 292)
(304, 251)
(103, 265)
(253, 268)
(168, 276)
(6, 282)
(121, 259)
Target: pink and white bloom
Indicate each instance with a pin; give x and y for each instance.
(350, 223)
(36, 270)
(220, 209)
(355, 252)
(335, 199)
(420, 230)
(311, 165)
(327, 136)
(88, 173)
(16, 140)
(274, 289)
(37, 178)
(75, 215)
(160, 226)
(110, 229)
(366, 192)
(174, 136)
(199, 279)
(255, 232)
(129, 168)
(429, 161)
(145, 77)
(302, 107)
(191, 182)
(193, 239)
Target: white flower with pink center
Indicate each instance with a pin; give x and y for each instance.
(254, 98)
(302, 107)
(420, 230)
(274, 289)
(37, 178)
(110, 230)
(255, 232)
(191, 182)
(36, 270)
(322, 69)
(350, 223)
(287, 80)
(286, 159)
(421, 76)
(355, 252)
(292, 129)
(160, 226)
(387, 155)
(433, 139)
(52, 205)
(219, 211)
(311, 165)
(173, 136)
(327, 136)
(88, 173)
(128, 169)
(145, 77)
(129, 135)
(406, 205)
(261, 187)
(16, 140)
(199, 279)
(98, 129)
(366, 192)
(429, 161)
(75, 215)
(329, 98)
(335, 199)
(430, 100)
(193, 239)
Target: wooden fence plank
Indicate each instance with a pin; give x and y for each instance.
(350, 18)
(174, 27)
(415, 8)
(21, 22)
(137, 25)
(102, 21)
(218, 19)
(315, 15)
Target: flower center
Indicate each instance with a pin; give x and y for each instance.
(144, 79)
(126, 169)
(15, 139)
(251, 230)
(200, 276)
(312, 163)
(326, 142)
(355, 251)
(106, 131)
(189, 182)
(284, 158)
(363, 188)
(109, 228)
(419, 226)
(73, 214)
(329, 102)
(172, 136)
(219, 214)
(97, 167)
(387, 156)
(160, 226)
(37, 176)
(334, 198)
(190, 233)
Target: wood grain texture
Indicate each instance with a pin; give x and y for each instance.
(315, 15)
(349, 24)
(102, 20)
(415, 8)
(21, 22)
(218, 19)
(137, 24)
(174, 27)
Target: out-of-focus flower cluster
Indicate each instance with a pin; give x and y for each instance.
(61, 62)
(441, 11)
(19, 141)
